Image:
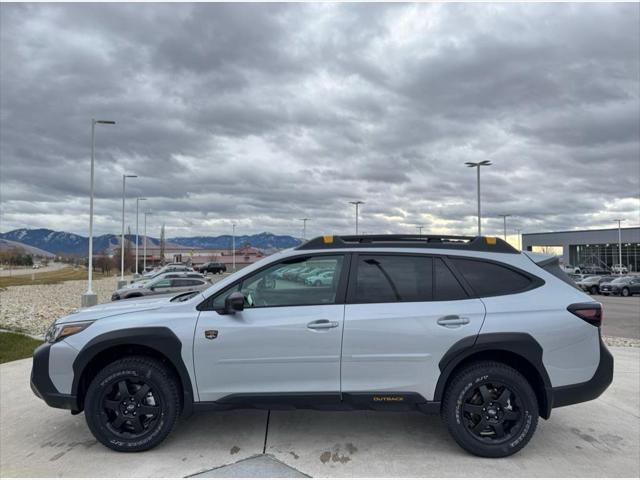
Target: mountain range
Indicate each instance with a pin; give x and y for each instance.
(71, 243)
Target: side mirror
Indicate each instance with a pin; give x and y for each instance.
(234, 302)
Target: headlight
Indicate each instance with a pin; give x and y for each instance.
(58, 332)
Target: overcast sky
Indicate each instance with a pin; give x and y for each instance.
(264, 114)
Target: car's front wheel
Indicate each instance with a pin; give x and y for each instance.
(490, 409)
(132, 404)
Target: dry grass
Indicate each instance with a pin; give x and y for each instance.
(56, 276)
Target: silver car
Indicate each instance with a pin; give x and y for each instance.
(162, 286)
(488, 337)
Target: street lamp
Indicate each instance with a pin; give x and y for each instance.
(90, 298)
(519, 238)
(304, 227)
(504, 218)
(357, 203)
(419, 227)
(483, 163)
(138, 200)
(122, 281)
(619, 220)
(144, 245)
(233, 246)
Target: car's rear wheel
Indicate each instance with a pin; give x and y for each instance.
(132, 404)
(490, 409)
(625, 292)
(593, 290)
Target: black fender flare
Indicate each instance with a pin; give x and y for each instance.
(160, 339)
(520, 344)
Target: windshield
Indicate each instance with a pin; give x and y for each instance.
(620, 280)
(591, 279)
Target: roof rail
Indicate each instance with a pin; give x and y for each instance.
(454, 242)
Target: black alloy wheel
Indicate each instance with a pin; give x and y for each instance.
(133, 404)
(492, 412)
(490, 409)
(131, 407)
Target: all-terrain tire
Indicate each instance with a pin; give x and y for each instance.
(133, 404)
(466, 393)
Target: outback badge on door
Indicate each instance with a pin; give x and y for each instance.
(211, 334)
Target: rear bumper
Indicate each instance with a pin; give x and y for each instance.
(591, 389)
(41, 382)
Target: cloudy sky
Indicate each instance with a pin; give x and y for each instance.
(264, 114)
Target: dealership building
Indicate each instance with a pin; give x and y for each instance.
(590, 247)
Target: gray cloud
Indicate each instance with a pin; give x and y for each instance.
(262, 114)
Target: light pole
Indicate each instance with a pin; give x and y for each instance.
(304, 227)
(483, 163)
(357, 203)
(122, 281)
(138, 200)
(504, 218)
(90, 298)
(144, 245)
(419, 227)
(233, 246)
(619, 220)
(519, 238)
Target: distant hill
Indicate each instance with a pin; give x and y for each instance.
(70, 243)
(10, 245)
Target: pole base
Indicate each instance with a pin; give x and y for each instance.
(122, 283)
(89, 300)
(136, 276)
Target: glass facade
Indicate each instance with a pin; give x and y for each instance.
(606, 255)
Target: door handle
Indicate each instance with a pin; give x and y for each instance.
(452, 321)
(322, 324)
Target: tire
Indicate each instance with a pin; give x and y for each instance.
(317, 283)
(120, 424)
(593, 290)
(508, 399)
(625, 292)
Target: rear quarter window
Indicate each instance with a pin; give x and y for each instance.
(488, 279)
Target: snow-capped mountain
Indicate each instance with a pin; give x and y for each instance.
(71, 243)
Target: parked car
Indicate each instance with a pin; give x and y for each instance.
(169, 268)
(571, 269)
(486, 336)
(625, 286)
(619, 269)
(577, 277)
(162, 286)
(595, 269)
(320, 279)
(212, 267)
(592, 283)
(141, 282)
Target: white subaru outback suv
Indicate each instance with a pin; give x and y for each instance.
(468, 327)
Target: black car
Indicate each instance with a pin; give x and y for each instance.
(594, 270)
(212, 267)
(625, 286)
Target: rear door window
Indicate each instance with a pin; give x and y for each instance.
(393, 278)
(489, 279)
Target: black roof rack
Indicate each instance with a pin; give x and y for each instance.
(455, 242)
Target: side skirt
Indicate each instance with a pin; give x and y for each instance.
(383, 401)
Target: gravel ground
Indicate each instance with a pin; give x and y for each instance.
(32, 308)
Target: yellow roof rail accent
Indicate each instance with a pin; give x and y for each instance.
(491, 240)
(327, 238)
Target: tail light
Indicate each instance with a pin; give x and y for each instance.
(589, 312)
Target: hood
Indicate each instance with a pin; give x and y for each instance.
(110, 309)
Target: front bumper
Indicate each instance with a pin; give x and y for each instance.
(591, 389)
(41, 382)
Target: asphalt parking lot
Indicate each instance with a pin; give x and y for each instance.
(621, 316)
(593, 439)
